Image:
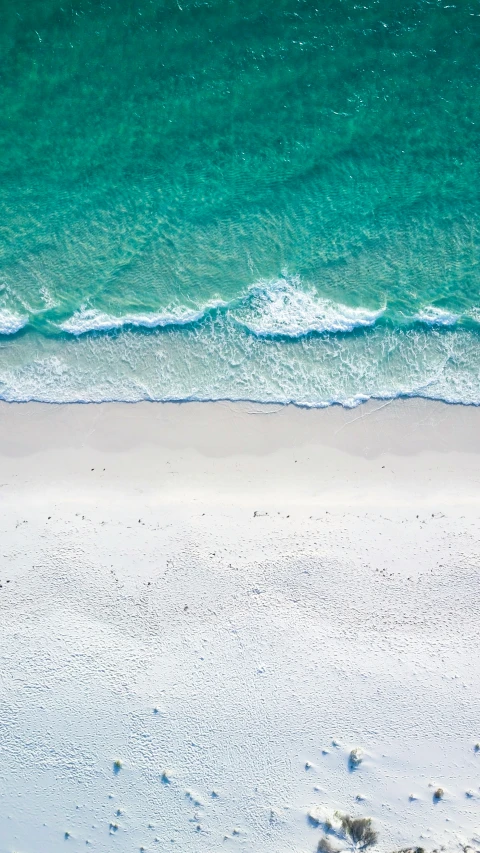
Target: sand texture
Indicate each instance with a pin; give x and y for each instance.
(204, 608)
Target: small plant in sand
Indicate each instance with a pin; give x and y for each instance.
(324, 846)
(359, 831)
(438, 794)
(117, 765)
(355, 758)
(411, 850)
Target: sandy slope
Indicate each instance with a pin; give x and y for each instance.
(228, 603)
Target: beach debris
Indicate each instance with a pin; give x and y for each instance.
(355, 758)
(307, 765)
(276, 817)
(194, 798)
(166, 777)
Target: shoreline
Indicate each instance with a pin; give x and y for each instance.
(228, 599)
(229, 447)
(262, 404)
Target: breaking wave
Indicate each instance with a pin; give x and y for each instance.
(280, 308)
(89, 320)
(432, 316)
(283, 308)
(11, 323)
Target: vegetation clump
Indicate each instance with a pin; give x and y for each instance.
(438, 794)
(411, 850)
(324, 846)
(359, 831)
(355, 758)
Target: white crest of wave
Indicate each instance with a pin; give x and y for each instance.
(474, 314)
(91, 320)
(11, 322)
(284, 307)
(436, 317)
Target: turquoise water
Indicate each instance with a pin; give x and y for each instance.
(256, 200)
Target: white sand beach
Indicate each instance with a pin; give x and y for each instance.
(227, 600)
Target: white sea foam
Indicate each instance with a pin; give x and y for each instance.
(436, 317)
(221, 361)
(284, 307)
(474, 314)
(221, 364)
(11, 322)
(90, 320)
(280, 307)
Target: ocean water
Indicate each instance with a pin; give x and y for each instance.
(273, 200)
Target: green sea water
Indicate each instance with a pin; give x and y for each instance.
(275, 201)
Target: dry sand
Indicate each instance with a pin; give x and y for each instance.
(228, 599)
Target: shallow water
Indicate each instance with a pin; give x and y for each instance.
(239, 200)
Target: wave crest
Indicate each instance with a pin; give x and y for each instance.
(283, 308)
(267, 309)
(10, 322)
(432, 316)
(90, 320)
